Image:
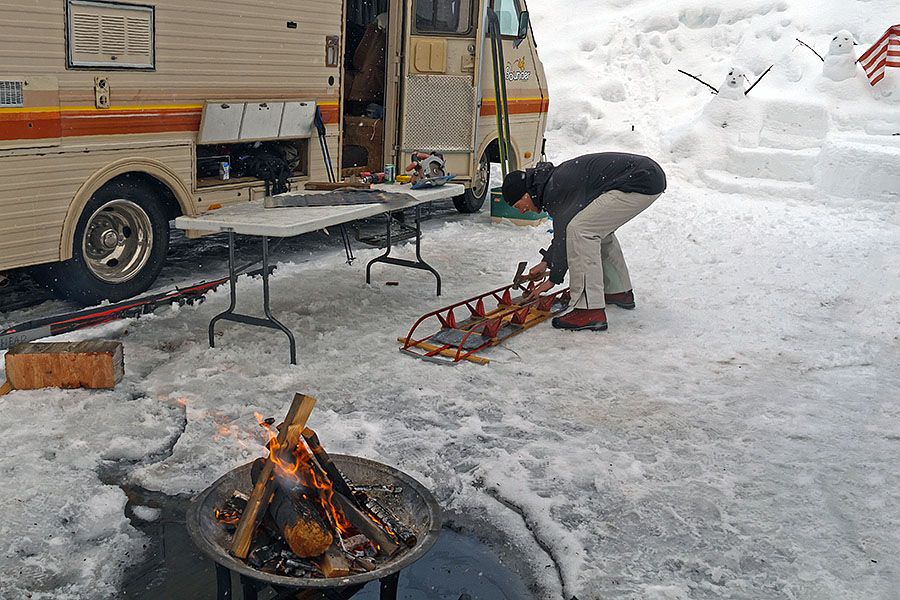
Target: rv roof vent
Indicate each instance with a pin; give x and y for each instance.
(107, 34)
(11, 93)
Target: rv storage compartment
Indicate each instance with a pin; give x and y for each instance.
(275, 162)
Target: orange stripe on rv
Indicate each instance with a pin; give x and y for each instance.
(40, 123)
(517, 106)
(29, 125)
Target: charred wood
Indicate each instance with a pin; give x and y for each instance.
(365, 525)
(390, 521)
(338, 482)
(295, 517)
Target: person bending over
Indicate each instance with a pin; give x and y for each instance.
(589, 198)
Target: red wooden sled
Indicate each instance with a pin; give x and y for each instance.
(482, 327)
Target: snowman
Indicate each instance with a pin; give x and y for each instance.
(733, 86)
(840, 61)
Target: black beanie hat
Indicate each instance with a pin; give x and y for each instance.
(514, 187)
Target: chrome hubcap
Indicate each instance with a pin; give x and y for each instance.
(482, 177)
(117, 241)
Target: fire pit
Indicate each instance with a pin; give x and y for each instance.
(407, 499)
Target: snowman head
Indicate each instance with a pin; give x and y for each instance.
(734, 82)
(842, 43)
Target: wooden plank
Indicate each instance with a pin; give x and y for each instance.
(33, 365)
(328, 186)
(334, 563)
(5, 388)
(298, 413)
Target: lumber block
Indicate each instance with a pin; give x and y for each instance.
(33, 365)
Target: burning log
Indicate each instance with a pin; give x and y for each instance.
(365, 525)
(337, 478)
(355, 513)
(295, 517)
(392, 523)
(301, 407)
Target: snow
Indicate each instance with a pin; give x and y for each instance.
(735, 436)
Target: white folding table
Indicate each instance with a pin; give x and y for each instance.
(252, 218)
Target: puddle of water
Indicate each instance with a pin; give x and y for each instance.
(459, 564)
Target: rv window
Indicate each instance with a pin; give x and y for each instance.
(508, 13)
(445, 16)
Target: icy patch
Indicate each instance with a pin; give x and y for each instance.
(146, 513)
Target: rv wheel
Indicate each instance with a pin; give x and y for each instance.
(120, 245)
(473, 198)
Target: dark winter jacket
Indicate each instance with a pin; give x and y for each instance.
(565, 190)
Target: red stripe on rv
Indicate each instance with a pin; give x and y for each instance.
(517, 107)
(78, 124)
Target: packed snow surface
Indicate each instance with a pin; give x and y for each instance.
(734, 436)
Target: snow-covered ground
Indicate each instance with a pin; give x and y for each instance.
(735, 436)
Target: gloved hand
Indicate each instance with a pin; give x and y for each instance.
(538, 271)
(540, 289)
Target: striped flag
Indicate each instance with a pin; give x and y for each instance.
(884, 53)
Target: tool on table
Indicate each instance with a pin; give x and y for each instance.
(427, 170)
(367, 177)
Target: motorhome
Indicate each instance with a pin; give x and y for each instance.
(116, 117)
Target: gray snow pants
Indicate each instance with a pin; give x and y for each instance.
(596, 264)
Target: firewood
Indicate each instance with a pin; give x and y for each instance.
(395, 525)
(298, 413)
(336, 477)
(5, 388)
(65, 365)
(299, 522)
(334, 562)
(366, 525)
(293, 516)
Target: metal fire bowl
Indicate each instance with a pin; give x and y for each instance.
(415, 506)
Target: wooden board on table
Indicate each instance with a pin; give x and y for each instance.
(328, 186)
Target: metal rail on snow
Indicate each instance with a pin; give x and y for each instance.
(460, 340)
(91, 317)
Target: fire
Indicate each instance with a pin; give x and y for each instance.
(228, 516)
(301, 471)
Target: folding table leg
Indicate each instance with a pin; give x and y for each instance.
(232, 276)
(229, 315)
(414, 264)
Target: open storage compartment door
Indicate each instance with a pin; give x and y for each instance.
(241, 142)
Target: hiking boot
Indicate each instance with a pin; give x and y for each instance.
(582, 318)
(622, 299)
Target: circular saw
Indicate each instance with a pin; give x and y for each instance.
(427, 169)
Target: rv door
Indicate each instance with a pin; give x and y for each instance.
(439, 73)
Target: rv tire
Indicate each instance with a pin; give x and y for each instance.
(473, 198)
(119, 247)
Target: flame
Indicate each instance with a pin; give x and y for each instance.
(301, 471)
